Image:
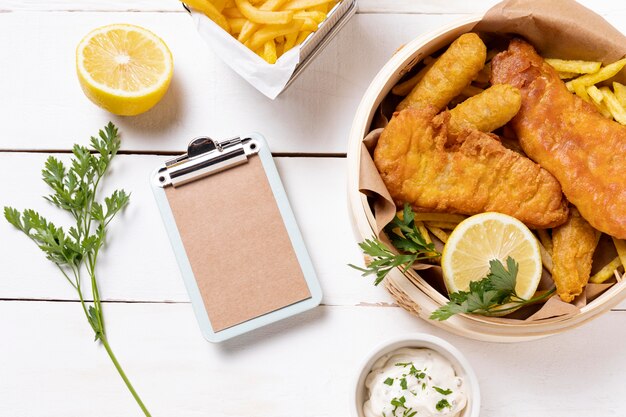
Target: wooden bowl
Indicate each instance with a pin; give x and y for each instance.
(411, 291)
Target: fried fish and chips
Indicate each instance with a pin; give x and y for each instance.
(573, 245)
(450, 74)
(568, 137)
(471, 174)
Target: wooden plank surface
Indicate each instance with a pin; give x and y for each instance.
(365, 6)
(302, 367)
(138, 264)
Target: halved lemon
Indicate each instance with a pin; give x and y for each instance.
(123, 68)
(483, 237)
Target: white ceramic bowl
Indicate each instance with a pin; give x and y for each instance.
(418, 340)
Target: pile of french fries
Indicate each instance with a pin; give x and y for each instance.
(583, 78)
(268, 27)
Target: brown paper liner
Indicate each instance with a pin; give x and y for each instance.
(555, 28)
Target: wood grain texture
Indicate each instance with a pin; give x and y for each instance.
(365, 6)
(138, 264)
(205, 98)
(304, 366)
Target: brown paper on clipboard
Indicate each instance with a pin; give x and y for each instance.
(237, 244)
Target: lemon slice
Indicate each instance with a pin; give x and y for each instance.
(124, 69)
(481, 238)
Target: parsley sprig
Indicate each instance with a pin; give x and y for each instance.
(405, 236)
(488, 295)
(74, 190)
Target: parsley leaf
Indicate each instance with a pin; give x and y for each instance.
(73, 189)
(442, 404)
(488, 295)
(443, 391)
(403, 384)
(388, 381)
(405, 236)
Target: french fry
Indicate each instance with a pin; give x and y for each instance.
(546, 258)
(442, 225)
(206, 7)
(318, 17)
(620, 93)
(233, 12)
(250, 27)
(422, 229)
(574, 66)
(545, 239)
(441, 235)
(304, 4)
(229, 3)
(606, 272)
(602, 75)
(236, 24)
(302, 36)
(269, 52)
(440, 217)
(290, 41)
(270, 32)
(613, 105)
(597, 98)
(620, 247)
(266, 17)
(405, 87)
(219, 4)
(567, 75)
(578, 89)
(308, 24)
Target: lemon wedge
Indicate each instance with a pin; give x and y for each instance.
(123, 68)
(483, 237)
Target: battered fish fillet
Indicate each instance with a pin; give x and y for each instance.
(421, 164)
(568, 137)
(572, 253)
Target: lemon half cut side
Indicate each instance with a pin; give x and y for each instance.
(124, 68)
(483, 237)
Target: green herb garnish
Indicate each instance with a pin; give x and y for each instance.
(442, 404)
(443, 391)
(487, 296)
(74, 190)
(388, 381)
(403, 384)
(405, 237)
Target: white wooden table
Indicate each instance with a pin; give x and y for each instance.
(49, 364)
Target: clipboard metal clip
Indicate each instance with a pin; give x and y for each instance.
(204, 157)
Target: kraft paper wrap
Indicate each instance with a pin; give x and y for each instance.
(555, 29)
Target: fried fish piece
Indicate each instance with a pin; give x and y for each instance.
(573, 245)
(487, 111)
(450, 74)
(568, 137)
(470, 173)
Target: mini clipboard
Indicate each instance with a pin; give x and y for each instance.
(239, 249)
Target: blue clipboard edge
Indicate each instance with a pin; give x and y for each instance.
(294, 235)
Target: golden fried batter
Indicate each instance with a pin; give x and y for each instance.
(572, 253)
(568, 137)
(487, 111)
(453, 71)
(468, 173)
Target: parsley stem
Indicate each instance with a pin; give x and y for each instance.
(105, 343)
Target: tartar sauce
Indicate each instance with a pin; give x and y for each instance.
(412, 382)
